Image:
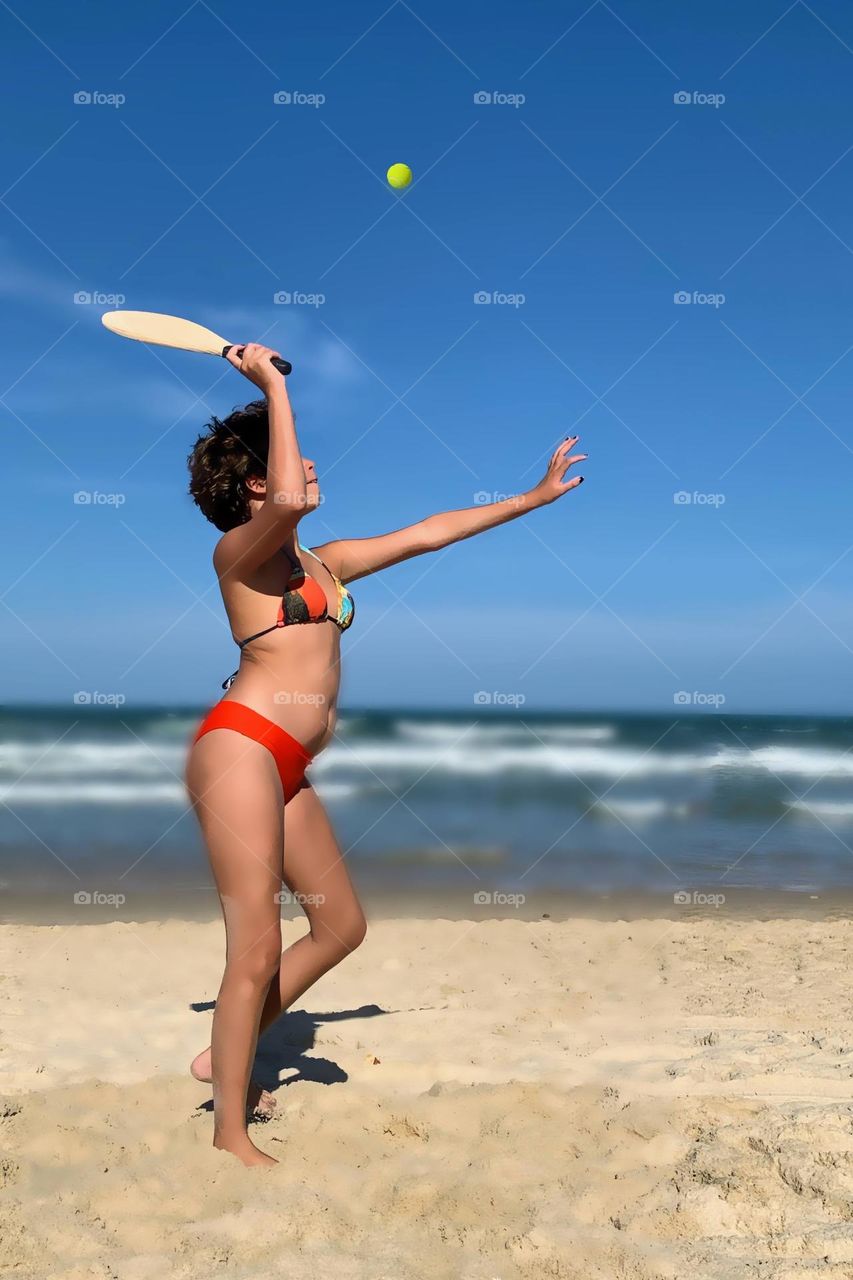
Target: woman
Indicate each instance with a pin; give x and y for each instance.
(288, 605)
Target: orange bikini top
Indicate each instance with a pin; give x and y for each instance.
(304, 600)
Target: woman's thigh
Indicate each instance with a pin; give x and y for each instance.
(236, 794)
(315, 872)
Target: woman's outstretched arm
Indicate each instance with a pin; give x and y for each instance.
(351, 558)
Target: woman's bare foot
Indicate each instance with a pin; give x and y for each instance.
(245, 1150)
(260, 1103)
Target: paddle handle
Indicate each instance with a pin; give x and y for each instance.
(283, 366)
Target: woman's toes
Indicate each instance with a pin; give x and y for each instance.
(260, 1103)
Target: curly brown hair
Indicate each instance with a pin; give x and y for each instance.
(228, 453)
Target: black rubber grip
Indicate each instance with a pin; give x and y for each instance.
(283, 366)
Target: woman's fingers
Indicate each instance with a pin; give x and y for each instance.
(250, 353)
(559, 453)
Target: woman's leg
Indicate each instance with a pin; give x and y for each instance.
(314, 869)
(237, 797)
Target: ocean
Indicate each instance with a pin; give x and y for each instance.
(492, 808)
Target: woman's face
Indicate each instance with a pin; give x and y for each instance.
(258, 487)
(312, 485)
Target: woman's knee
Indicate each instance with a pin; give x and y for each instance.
(258, 961)
(346, 933)
(356, 930)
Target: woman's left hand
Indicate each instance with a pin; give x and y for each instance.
(554, 484)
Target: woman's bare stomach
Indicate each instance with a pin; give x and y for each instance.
(293, 679)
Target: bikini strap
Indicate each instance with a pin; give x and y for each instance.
(333, 576)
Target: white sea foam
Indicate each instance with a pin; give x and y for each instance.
(807, 762)
(131, 771)
(53, 795)
(838, 810)
(335, 790)
(93, 758)
(448, 731)
(641, 810)
(471, 758)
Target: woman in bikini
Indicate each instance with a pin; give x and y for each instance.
(247, 765)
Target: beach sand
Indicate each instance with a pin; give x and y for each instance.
(501, 1099)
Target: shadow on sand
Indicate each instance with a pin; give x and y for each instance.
(283, 1048)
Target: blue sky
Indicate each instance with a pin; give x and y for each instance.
(598, 199)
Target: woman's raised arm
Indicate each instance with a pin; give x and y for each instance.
(351, 558)
(248, 545)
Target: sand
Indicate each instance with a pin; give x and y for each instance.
(501, 1099)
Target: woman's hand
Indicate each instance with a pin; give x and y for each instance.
(255, 363)
(554, 484)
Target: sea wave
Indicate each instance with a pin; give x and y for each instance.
(640, 809)
(452, 731)
(832, 810)
(68, 795)
(469, 753)
(101, 757)
(478, 759)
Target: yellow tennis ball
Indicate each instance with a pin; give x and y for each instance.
(399, 176)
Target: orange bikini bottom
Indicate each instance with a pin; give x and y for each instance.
(291, 758)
